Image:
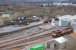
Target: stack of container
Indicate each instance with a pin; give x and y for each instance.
(38, 47)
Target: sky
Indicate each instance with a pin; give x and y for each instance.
(23, 1)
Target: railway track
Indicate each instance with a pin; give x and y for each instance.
(25, 40)
(18, 41)
(21, 37)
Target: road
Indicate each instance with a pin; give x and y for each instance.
(74, 34)
(74, 27)
(16, 28)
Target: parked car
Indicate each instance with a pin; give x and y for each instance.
(21, 21)
(47, 21)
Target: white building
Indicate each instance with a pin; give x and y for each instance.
(6, 15)
(67, 20)
(62, 43)
(62, 3)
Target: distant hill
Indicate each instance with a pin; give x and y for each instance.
(21, 2)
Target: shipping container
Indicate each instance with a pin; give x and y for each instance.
(38, 47)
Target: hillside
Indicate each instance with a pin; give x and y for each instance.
(39, 11)
(42, 11)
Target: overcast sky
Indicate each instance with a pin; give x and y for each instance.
(22, 1)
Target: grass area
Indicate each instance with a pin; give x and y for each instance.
(39, 11)
(49, 11)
